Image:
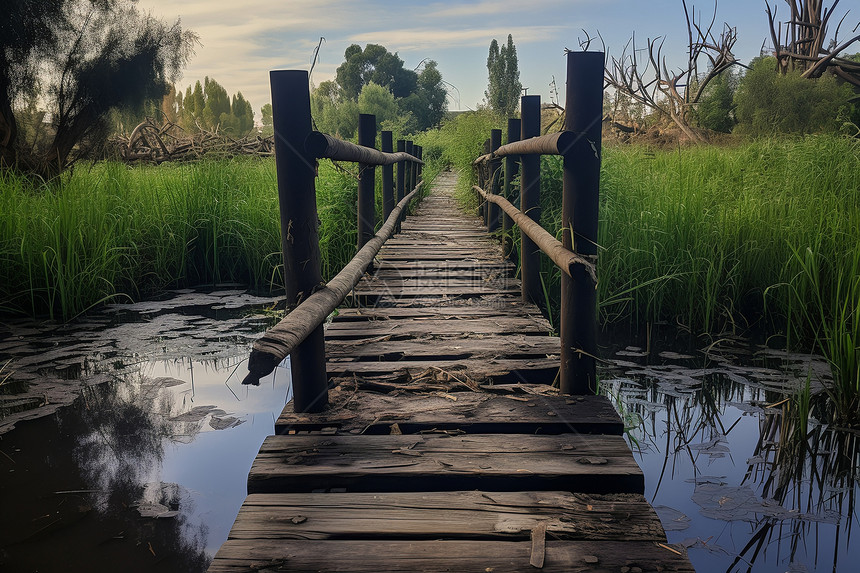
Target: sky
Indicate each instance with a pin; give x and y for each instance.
(242, 40)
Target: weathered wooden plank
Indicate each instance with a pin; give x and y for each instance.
(509, 325)
(395, 282)
(513, 307)
(489, 462)
(534, 370)
(450, 515)
(508, 347)
(443, 555)
(472, 412)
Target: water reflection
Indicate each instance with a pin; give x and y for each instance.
(145, 472)
(740, 468)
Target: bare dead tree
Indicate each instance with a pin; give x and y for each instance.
(674, 93)
(802, 45)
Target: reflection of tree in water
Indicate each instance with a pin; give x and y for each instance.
(800, 476)
(120, 454)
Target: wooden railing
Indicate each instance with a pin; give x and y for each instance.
(297, 148)
(579, 144)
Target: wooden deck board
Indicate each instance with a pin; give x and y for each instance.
(452, 515)
(433, 462)
(373, 413)
(462, 556)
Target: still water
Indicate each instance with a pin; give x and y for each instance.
(146, 469)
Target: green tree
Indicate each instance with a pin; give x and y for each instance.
(716, 107)
(428, 104)
(85, 59)
(267, 121)
(374, 64)
(241, 109)
(504, 89)
(769, 102)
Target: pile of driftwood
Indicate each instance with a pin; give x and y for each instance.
(149, 142)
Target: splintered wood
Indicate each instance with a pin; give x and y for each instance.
(444, 446)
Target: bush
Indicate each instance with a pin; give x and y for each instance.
(769, 102)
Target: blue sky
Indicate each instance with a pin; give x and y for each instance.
(243, 39)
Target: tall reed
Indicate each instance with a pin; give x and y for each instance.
(110, 231)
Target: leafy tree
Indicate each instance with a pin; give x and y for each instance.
(83, 59)
(428, 104)
(503, 91)
(376, 77)
(716, 108)
(208, 106)
(769, 102)
(267, 121)
(374, 64)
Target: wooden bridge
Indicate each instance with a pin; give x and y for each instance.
(437, 441)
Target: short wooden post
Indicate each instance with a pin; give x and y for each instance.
(410, 168)
(493, 222)
(583, 116)
(530, 201)
(296, 171)
(387, 144)
(366, 181)
(511, 169)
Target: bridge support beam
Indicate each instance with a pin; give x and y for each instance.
(366, 181)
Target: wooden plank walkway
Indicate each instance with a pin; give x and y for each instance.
(444, 447)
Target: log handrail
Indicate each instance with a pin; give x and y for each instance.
(559, 143)
(565, 259)
(280, 341)
(322, 145)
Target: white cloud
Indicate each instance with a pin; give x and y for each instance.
(435, 38)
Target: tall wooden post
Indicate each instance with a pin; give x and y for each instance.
(387, 176)
(583, 116)
(366, 181)
(482, 183)
(410, 168)
(511, 170)
(530, 201)
(420, 156)
(296, 170)
(493, 222)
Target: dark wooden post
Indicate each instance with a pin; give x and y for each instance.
(296, 170)
(511, 169)
(401, 172)
(420, 155)
(530, 201)
(366, 181)
(387, 177)
(583, 116)
(493, 210)
(482, 183)
(410, 168)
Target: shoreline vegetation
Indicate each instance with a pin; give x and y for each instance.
(761, 235)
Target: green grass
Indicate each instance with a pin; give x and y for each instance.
(110, 231)
(761, 236)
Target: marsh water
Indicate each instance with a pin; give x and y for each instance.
(143, 464)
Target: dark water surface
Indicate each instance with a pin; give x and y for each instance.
(145, 467)
(730, 470)
(146, 470)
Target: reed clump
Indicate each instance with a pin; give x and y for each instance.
(109, 231)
